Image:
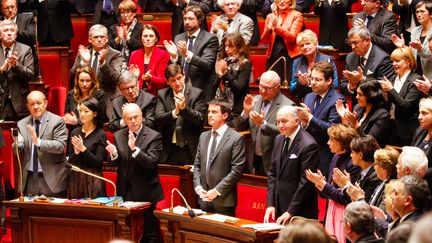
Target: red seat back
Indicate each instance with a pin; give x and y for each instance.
(168, 183)
(251, 202)
(110, 175)
(57, 100)
(258, 65)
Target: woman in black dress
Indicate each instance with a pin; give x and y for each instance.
(87, 151)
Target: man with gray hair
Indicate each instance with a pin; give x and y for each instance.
(412, 161)
(289, 192)
(366, 60)
(259, 117)
(16, 71)
(128, 85)
(104, 60)
(359, 222)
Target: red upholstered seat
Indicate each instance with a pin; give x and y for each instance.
(110, 137)
(258, 65)
(57, 100)
(265, 41)
(251, 202)
(7, 155)
(80, 35)
(110, 175)
(51, 75)
(168, 183)
(314, 26)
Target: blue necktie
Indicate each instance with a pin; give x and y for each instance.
(317, 104)
(35, 154)
(186, 64)
(107, 6)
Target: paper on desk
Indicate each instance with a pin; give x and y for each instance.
(183, 210)
(217, 217)
(263, 227)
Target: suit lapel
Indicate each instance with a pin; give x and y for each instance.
(404, 88)
(140, 138)
(293, 147)
(324, 102)
(44, 124)
(197, 42)
(273, 107)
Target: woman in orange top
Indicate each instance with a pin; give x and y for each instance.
(284, 24)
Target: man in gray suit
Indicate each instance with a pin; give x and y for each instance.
(16, 71)
(259, 116)
(42, 140)
(219, 162)
(232, 21)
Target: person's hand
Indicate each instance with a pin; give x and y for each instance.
(84, 54)
(316, 178)
(398, 41)
(133, 68)
(360, 23)
(119, 31)
(182, 48)
(284, 218)
(351, 119)
(355, 192)
(354, 77)
(5, 66)
(248, 103)
(341, 108)
(147, 76)
(271, 21)
(423, 85)
(171, 48)
(378, 213)
(13, 59)
(70, 118)
(131, 141)
(102, 55)
(416, 44)
(304, 113)
(304, 78)
(386, 85)
(341, 178)
(219, 23)
(269, 214)
(210, 195)
(112, 150)
(201, 192)
(180, 102)
(221, 67)
(32, 133)
(257, 118)
(78, 144)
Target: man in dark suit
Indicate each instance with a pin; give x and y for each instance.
(381, 24)
(105, 61)
(16, 71)
(359, 223)
(106, 12)
(318, 112)
(365, 61)
(407, 17)
(219, 162)
(42, 140)
(196, 51)
(180, 111)
(26, 28)
(136, 151)
(259, 117)
(295, 151)
(129, 87)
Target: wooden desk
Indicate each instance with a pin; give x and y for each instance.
(181, 228)
(47, 222)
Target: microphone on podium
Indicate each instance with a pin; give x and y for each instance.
(285, 81)
(77, 169)
(15, 139)
(191, 213)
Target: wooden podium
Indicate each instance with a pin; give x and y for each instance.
(48, 222)
(181, 228)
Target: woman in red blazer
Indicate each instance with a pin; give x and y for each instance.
(150, 62)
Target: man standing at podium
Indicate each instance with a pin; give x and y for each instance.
(219, 162)
(137, 151)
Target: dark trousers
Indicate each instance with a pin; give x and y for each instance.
(38, 186)
(8, 112)
(258, 165)
(180, 156)
(211, 208)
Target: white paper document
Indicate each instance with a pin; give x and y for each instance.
(263, 227)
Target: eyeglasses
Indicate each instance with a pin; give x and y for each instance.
(267, 88)
(99, 37)
(125, 13)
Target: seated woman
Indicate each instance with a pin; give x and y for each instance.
(88, 151)
(339, 143)
(370, 115)
(307, 41)
(150, 62)
(86, 85)
(423, 135)
(124, 37)
(404, 97)
(233, 69)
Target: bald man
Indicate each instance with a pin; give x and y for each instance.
(42, 139)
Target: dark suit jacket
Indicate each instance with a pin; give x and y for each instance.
(53, 135)
(376, 123)
(377, 66)
(145, 101)
(288, 188)
(26, 29)
(369, 182)
(226, 167)
(269, 132)
(15, 81)
(369, 239)
(202, 66)
(99, 8)
(418, 137)
(85, 6)
(134, 42)
(333, 24)
(192, 117)
(157, 64)
(381, 27)
(406, 12)
(138, 177)
(406, 111)
(325, 116)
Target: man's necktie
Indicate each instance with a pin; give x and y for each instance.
(369, 19)
(186, 63)
(35, 154)
(107, 6)
(258, 147)
(180, 140)
(362, 63)
(95, 61)
(285, 147)
(6, 52)
(317, 104)
(212, 151)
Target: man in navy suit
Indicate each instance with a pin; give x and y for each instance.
(289, 191)
(318, 112)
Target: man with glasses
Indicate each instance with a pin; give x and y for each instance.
(381, 23)
(366, 60)
(318, 112)
(129, 88)
(105, 61)
(259, 116)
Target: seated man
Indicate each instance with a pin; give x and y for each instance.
(359, 223)
(129, 88)
(180, 111)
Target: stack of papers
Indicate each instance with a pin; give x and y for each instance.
(218, 217)
(263, 227)
(183, 210)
